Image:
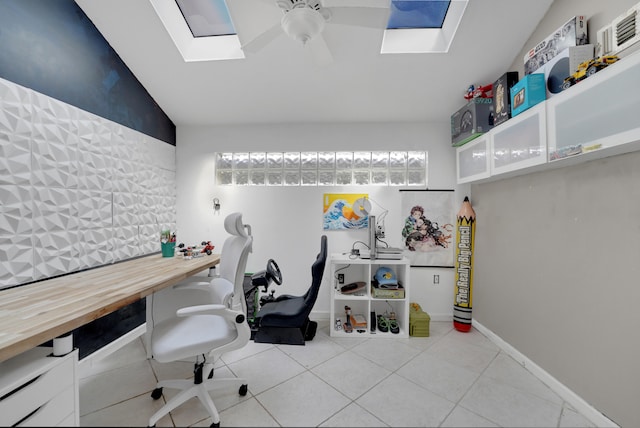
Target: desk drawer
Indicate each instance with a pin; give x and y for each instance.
(38, 394)
(53, 412)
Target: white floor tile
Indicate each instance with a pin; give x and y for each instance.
(314, 352)
(303, 401)
(351, 374)
(572, 419)
(353, 416)
(510, 407)
(453, 349)
(399, 402)
(134, 412)
(447, 379)
(461, 417)
(114, 386)
(387, 353)
(266, 369)
(441, 377)
(249, 413)
(506, 370)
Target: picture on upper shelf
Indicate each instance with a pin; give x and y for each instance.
(429, 218)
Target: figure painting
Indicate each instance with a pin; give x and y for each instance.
(429, 218)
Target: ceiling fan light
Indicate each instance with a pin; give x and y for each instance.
(303, 24)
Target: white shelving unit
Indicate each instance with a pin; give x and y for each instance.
(364, 303)
(595, 118)
(38, 389)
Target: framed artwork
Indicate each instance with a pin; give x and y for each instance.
(428, 229)
(339, 214)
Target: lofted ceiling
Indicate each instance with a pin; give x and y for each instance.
(282, 84)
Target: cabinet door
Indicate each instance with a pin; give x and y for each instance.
(520, 142)
(599, 112)
(472, 160)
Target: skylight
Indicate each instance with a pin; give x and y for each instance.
(422, 26)
(207, 17)
(417, 13)
(192, 40)
(203, 30)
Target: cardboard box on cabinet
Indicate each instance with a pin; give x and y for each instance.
(571, 33)
(563, 65)
(529, 91)
(502, 97)
(471, 121)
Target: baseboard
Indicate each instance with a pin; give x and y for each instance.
(579, 404)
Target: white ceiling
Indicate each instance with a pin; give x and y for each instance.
(282, 84)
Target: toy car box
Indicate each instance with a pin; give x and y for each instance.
(563, 65)
(471, 121)
(529, 91)
(502, 97)
(571, 33)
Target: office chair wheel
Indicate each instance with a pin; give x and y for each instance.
(157, 393)
(216, 425)
(243, 390)
(274, 271)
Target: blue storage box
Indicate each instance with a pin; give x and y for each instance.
(529, 91)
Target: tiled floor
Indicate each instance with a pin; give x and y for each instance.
(449, 379)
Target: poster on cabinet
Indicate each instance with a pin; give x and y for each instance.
(429, 219)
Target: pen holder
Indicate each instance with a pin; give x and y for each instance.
(168, 249)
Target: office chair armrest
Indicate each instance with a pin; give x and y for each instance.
(214, 309)
(192, 285)
(221, 310)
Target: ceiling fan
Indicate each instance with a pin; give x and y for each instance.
(305, 20)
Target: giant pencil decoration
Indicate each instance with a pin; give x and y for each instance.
(464, 267)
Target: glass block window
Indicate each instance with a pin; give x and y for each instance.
(322, 168)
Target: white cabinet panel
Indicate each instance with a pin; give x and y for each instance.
(520, 142)
(598, 113)
(473, 159)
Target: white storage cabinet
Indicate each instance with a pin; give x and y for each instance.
(37, 389)
(364, 303)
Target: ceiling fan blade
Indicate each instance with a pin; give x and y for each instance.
(262, 39)
(369, 17)
(319, 50)
(356, 3)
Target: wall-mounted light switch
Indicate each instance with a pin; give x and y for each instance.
(436, 279)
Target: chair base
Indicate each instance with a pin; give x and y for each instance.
(286, 335)
(189, 389)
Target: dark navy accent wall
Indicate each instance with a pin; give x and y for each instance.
(52, 47)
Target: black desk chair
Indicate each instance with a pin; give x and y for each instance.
(286, 320)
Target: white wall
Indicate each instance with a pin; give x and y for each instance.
(556, 260)
(287, 221)
(77, 190)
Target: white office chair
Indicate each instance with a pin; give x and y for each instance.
(207, 330)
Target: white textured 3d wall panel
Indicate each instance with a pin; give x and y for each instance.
(76, 190)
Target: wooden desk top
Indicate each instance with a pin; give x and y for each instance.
(35, 313)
